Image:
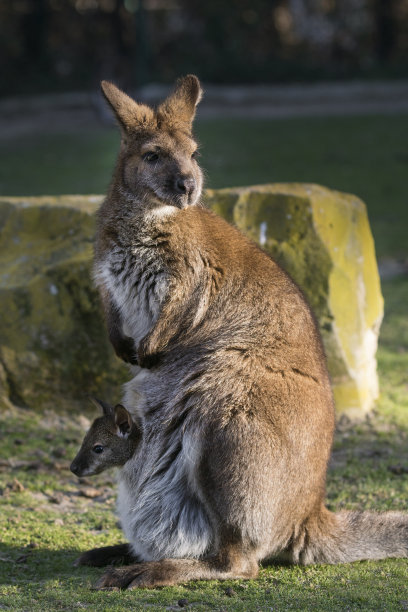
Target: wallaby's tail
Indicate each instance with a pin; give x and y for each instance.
(351, 536)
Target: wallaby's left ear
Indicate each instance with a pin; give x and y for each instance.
(130, 115)
(180, 107)
(123, 421)
(107, 409)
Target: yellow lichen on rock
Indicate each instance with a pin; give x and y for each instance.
(53, 342)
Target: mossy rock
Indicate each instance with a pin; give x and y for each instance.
(53, 344)
(54, 349)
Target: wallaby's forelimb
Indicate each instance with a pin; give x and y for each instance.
(123, 345)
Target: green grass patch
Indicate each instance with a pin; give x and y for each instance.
(47, 516)
(366, 156)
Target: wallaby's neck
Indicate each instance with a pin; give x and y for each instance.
(139, 209)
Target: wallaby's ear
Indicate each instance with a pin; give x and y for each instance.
(123, 420)
(131, 116)
(107, 409)
(180, 107)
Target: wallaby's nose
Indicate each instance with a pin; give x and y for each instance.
(185, 184)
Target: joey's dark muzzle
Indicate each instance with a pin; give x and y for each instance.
(76, 468)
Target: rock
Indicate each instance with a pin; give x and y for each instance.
(90, 492)
(182, 603)
(323, 239)
(54, 349)
(53, 344)
(230, 592)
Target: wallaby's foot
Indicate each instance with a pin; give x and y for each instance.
(173, 571)
(120, 554)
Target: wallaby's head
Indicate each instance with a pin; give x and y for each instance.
(157, 162)
(111, 441)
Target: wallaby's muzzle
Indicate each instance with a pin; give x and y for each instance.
(185, 189)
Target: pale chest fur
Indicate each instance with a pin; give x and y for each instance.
(137, 284)
(158, 505)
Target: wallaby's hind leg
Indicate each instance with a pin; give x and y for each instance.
(167, 572)
(120, 554)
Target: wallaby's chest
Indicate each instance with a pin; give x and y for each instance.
(137, 281)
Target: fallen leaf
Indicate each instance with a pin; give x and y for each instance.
(90, 492)
(57, 498)
(16, 486)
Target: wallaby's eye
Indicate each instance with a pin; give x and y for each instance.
(151, 156)
(98, 449)
(195, 154)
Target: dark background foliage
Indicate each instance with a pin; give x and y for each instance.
(52, 45)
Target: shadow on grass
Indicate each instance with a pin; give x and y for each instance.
(21, 564)
(369, 468)
(48, 579)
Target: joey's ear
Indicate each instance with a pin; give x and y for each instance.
(123, 420)
(107, 409)
(180, 107)
(131, 116)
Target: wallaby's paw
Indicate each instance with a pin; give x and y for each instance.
(148, 361)
(145, 358)
(119, 554)
(125, 350)
(87, 558)
(142, 575)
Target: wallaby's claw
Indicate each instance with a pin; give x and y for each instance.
(142, 575)
(114, 578)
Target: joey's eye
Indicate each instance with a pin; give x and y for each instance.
(195, 154)
(151, 156)
(98, 449)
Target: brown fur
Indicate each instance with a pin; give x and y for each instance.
(236, 408)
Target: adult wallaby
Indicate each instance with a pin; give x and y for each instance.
(110, 442)
(231, 387)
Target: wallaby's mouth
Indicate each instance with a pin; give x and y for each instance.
(177, 200)
(183, 201)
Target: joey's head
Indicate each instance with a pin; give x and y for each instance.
(111, 441)
(157, 164)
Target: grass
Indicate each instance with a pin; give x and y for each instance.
(47, 516)
(367, 156)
